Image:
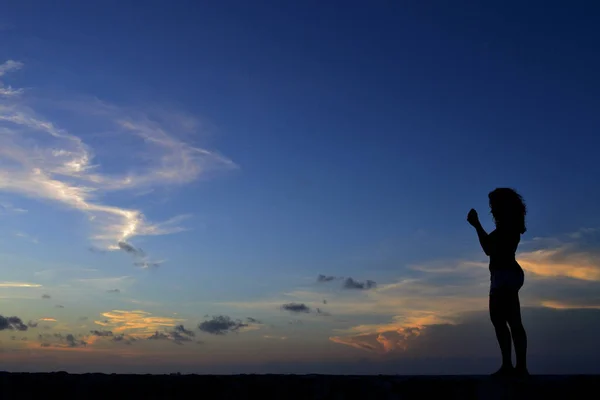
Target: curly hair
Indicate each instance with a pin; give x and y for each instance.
(508, 209)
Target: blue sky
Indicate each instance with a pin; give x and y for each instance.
(171, 164)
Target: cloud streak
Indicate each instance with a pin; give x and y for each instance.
(8, 208)
(136, 323)
(27, 237)
(19, 285)
(563, 261)
(10, 65)
(42, 160)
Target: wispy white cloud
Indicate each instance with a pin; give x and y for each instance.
(10, 65)
(146, 264)
(582, 232)
(19, 285)
(8, 208)
(27, 237)
(40, 159)
(9, 91)
(69, 272)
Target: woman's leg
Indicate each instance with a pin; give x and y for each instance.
(499, 317)
(517, 330)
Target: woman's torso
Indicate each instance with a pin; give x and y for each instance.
(503, 246)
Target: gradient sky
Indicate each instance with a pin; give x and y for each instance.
(175, 177)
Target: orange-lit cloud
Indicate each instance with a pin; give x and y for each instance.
(57, 345)
(417, 303)
(561, 261)
(362, 342)
(47, 319)
(391, 336)
(565, 306)
(382, 342)
(136, 323)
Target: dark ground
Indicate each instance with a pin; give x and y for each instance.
(88, 386)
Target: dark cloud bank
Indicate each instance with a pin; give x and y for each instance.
(12, 323)
(560, 342)
(71, 340)
(221, 325)
(296, 307)
(349, 283)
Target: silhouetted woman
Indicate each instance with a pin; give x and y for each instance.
(508, 210)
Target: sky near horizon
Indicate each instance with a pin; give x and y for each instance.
(226, 187)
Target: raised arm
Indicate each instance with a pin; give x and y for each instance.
(484, 238)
